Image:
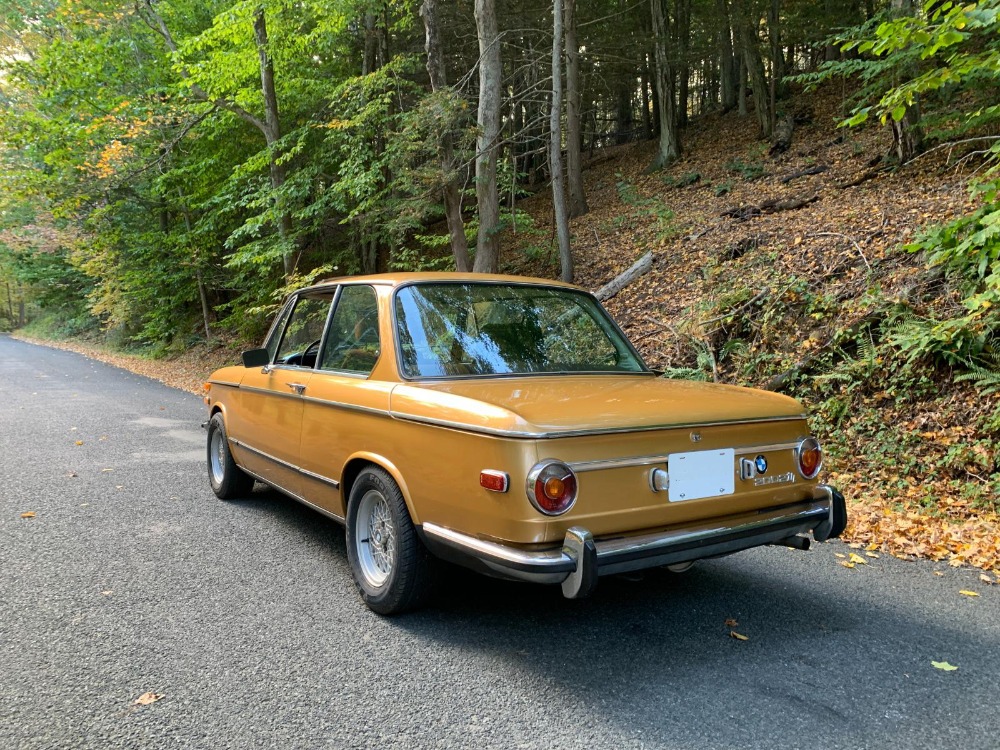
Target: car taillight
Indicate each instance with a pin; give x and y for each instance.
(809, 457)
(551, 487)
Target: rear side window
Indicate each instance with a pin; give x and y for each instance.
(353, 343)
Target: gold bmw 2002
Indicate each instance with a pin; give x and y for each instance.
(506, 424)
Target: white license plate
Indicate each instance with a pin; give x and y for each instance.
(701, 474)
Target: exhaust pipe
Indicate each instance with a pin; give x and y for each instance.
(795, 542)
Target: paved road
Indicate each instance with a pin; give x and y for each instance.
(132, 577)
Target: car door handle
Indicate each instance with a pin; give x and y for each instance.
(299, 388)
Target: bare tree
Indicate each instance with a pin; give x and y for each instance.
(488, 142)
(670, 145)
(750, 45)
(555, 146)
(451, 193)
(574, 167)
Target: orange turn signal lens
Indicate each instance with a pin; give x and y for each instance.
(493, 480)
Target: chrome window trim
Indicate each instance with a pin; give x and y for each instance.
(288, 465)
(535, 284)
(326, 333)
(497, 432)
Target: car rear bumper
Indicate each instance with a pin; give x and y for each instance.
(581, 559)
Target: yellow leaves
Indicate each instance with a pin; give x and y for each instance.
(738, 636)
(857, 559)
(847, 564)
(943, 666)
(147, 698)
(28, 514)
(78, 442)
(966, 592)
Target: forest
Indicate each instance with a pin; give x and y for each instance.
(171, 169)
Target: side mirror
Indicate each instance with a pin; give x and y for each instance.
(256, 358)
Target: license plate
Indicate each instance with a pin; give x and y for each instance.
(701, 474)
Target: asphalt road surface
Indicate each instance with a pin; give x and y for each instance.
(132, 578)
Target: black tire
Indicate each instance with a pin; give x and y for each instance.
(390, 565)
(228, 480)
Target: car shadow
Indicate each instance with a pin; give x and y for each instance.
(648, 652)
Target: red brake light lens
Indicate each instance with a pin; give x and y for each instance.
(551, 487)
(809, 456)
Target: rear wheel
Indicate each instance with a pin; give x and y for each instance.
(391, 567)
(228, 480)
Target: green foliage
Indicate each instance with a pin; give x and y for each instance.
(652, 208)
(749, 171)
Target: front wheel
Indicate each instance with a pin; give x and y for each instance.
(228, 480)
(391, 567)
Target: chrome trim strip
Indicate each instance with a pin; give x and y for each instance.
(346, 406)
(652, 460)
(496, 432)
(224, 382)
(294, 496)
(312, 475)
(269, 392)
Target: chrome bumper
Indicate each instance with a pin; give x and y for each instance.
(581, 559)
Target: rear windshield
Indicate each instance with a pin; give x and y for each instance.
(447, 330)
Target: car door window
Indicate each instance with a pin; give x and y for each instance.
(353, 342)
(304, 331)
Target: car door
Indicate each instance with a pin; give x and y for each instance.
(345, 411)
(272, 397)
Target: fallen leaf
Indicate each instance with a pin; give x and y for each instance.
(28, 514)
(858, 559)
(106, 470)
(872, 555)
(938, 573)
(837, 554)
(847, 564)
(872, 547)
(72, 474)
(731, 623)
(943, 665)
(79, 442)
(146, 698)
(986, 579)
(965, 592)
(738, 636)
(106, 593)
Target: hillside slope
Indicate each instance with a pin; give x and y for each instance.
(808, 300)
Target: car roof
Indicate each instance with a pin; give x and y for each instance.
(398, 279)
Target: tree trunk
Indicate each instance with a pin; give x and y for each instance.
(269, 126)
(647, 119)
(451, 193)
(777, 59)
(574, 141)
(755, 65)
(741, 87)
(728, 68)
(683, 8)
(670, 147)
(487, 143)
(907, 136)
(555, 146)
(272, 132)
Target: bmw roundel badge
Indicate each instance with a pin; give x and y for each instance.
(760, 464)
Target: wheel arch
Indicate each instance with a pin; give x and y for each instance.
(358, 462)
